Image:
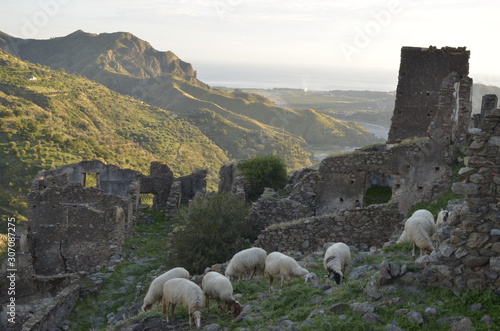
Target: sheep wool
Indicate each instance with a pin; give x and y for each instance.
(248, 261)
(220, 288)
(181, 291)
(430, 225)
(155, 291)
(281, 266)
(419, 228)
(336, 260)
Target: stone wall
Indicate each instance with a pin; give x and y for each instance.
(421, 73)
(73, 228)
(362, 227)
(469, 246)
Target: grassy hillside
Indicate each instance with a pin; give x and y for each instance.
(357, 304)
(59, 118)
(128, 65)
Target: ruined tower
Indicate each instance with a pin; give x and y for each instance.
(421, 75)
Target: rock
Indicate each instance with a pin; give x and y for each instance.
(212, 327)
(392, 327)
(463, 325)
(475, 307)
(394, 301)
(430, 311)
(362, 307)
(371, 318)
(359, 272)
(315, 301)
(486, 319)
(244, 313)
(338, 307)
(415, 317)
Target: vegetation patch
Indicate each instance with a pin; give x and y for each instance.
(378, 194)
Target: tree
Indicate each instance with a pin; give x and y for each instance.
(210, 230)
(264, 171)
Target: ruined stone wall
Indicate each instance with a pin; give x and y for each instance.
(73, 228)
(469, 247)
(362, 227)
(272, 209)
(416, 170)
(421, 73)
(158, 182)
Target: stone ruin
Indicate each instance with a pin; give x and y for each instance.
(468, 247)
(79, 217)
(430, 121)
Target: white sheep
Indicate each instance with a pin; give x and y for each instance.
(442, 219)
(220, 288)
(421, 213)
(336, 260)
(281, 266)
(419, 228)
(251, 260)
(181, 291)
(155, 291)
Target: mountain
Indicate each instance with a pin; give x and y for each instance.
(49, 118)
(128, 65)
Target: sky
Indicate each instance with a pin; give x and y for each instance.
(358, 35)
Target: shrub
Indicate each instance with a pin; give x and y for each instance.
(264, 171)
(210, 230)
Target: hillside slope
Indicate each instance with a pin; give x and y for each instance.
(49, 118)
(128, 65)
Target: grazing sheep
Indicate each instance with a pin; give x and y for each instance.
(220, 288)
(181, 291)
(248, 260)
(421, 213)
(419, 228)
(286, 268)
(442, 219)
(336, 260)
(155, 291)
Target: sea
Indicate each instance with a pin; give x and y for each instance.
(305, 77)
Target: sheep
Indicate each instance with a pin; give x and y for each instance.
(286, 268)
(336, 260)
(248, 260)
(442, 219)
(419, 228)
(421, 213)
(155, 291)
(217, 286)
(181, 291)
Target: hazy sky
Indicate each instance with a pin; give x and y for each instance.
(360, 34)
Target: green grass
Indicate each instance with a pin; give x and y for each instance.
(147, 246)
(378, 194)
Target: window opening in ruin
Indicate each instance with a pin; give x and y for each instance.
(341, 199)
(378, 188)
(90, 180)
(147, 199)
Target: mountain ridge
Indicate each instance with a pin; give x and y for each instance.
(122, 62)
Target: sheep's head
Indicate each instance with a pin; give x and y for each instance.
(147, 307)
(337, 276)
(311, 278)
(196, 318)
(235, 308)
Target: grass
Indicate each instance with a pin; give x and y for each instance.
(377, 194)
(307, 306)
(145, 252)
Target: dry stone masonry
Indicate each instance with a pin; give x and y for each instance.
(469, 247)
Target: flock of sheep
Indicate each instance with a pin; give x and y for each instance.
(174, 287)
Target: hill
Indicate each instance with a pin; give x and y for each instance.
(49, 118)
(128, 65)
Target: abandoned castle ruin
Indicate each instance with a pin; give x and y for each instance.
(79, 217)
(80, 214)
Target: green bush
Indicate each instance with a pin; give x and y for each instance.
(264, 171)
(210, 230)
